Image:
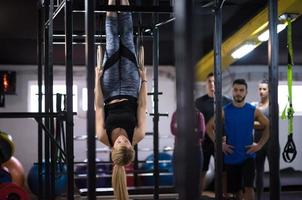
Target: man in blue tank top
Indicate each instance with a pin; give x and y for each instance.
(238, 146)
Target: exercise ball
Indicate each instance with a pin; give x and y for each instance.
(102, 178)
(7, 147)
(16, 170)
(5, 176)
(11, 191)
(60, 178)
(165, 166)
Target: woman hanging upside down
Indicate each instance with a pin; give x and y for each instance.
(120, 96)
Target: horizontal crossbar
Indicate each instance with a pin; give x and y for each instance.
(131, 8)
(30, 114)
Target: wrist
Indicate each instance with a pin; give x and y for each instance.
(144, 81)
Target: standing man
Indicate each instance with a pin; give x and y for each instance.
(238, 146)
(263, 106)
(205, 105)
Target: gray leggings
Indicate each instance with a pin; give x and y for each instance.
(120, 77)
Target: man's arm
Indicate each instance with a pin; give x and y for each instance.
(210, 127)
(201, 127)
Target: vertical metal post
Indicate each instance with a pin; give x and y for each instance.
(218, 99)
(49, 96)
(90, 64)
(39, 61)
(48, 92)
(135, 162)
(46, 103)
(187, 148)
(138, 44)
(155, 111)
(273, 95)
(69, 94)
(155, 103)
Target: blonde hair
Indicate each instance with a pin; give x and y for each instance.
(121, 156)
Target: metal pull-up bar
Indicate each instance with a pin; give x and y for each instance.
(130, 8)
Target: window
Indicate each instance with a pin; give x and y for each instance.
(84, 99)
(57, 88)
(296, 98)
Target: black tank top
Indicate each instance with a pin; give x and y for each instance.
(121, 115)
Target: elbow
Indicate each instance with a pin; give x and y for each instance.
(98, 135)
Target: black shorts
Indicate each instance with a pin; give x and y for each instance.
(240, 175)
(208, 151)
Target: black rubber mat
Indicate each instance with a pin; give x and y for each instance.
(289, 177)
(293, 195)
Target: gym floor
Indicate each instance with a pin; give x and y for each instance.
(285, 195)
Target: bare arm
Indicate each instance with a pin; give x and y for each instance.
(99, 104)
(173, 124)
(258, 126)
(263, 122)
(210, 127)
(226, 148)
(140, 129)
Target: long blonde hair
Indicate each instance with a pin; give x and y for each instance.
(121, 156)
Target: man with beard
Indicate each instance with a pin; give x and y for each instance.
(238, 146)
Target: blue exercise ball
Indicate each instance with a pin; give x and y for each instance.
(60, 178)
(165, 166)
(81, 176)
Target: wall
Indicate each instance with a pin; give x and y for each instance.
(24, 131)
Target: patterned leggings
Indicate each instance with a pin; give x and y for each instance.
(120, 76)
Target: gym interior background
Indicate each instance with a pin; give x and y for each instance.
(18, 27)
(24, 133)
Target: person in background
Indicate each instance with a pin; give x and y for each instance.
(238, 144)
(205, 105)
(199, 129)
(263, 106)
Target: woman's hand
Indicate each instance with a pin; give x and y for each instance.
(141, 56)
(141, 63)
(99, 67)
(98, 73)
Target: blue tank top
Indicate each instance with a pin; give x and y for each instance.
(238, 126)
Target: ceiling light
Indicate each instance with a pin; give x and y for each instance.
(265, 35)
(243, 50)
